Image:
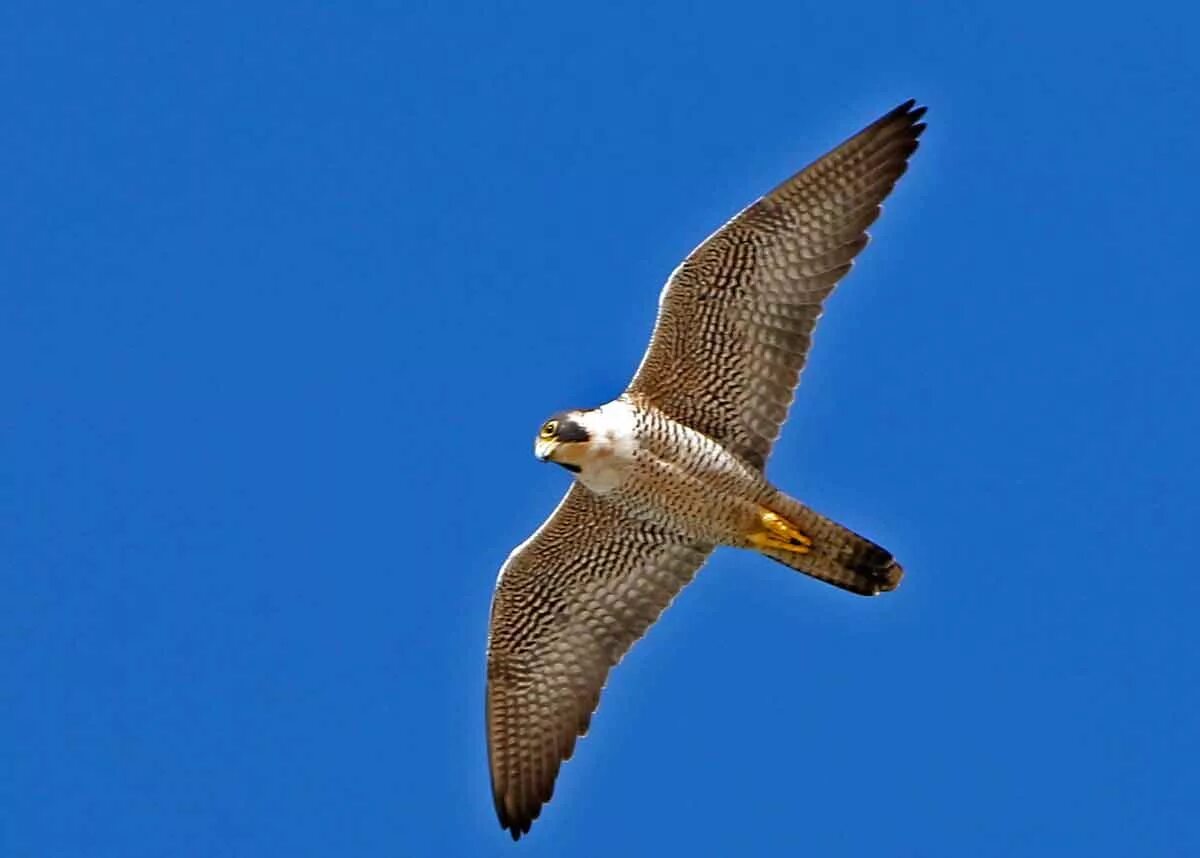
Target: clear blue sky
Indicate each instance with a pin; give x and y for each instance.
(286, 288)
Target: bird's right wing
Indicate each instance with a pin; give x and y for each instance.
(735, 319)
(569, 603)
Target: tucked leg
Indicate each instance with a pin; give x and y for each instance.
(774, 531)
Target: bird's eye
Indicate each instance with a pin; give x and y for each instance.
(549, 429)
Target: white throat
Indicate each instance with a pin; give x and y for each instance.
(611, 447)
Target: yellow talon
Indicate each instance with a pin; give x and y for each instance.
(778, 526)
(779, 534)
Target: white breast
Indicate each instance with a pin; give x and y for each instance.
(611, 448)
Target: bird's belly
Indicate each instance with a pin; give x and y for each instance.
(713, 503)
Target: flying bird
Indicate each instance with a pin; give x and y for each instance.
(673, 467)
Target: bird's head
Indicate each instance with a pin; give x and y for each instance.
(564, 439)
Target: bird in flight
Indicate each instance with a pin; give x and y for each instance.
(673, 467)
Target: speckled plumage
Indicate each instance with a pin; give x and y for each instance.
(673, 467)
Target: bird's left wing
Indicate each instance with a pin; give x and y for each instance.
(569, 603)
(736, 317)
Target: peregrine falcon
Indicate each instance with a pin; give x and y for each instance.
(673, 467)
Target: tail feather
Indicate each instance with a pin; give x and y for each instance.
(838, 555)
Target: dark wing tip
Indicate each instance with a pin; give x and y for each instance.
(908, 109)
(519, 823)
(519, 802)
(517, 829)
(896, 132)
(910, 116)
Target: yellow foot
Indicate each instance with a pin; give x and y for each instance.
(779, 534)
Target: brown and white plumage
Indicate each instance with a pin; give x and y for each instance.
(674, 466)
(756, 288)
(570, 602)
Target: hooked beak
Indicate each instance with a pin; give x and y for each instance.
(543, 449)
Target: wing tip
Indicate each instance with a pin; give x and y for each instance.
(517, 822)
(898, 133)
(907, 116)
(909, 110)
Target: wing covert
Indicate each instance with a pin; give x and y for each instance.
(735, 319)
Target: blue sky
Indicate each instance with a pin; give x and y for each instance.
(287, 289)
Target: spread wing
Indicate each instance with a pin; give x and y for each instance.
(736, 318)
(569, 602)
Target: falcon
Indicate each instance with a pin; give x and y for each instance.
(673, 467)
